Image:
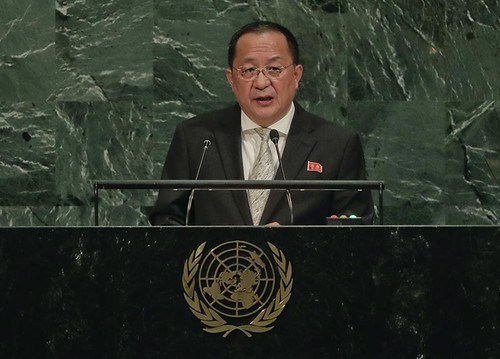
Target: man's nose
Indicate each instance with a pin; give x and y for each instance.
(261, 81)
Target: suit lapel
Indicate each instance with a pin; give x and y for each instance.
(299, 145)
(228, 140)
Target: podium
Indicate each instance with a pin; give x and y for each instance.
(358, 292)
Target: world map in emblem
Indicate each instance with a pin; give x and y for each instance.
(237, 279)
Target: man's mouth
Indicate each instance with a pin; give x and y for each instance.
(263, 100)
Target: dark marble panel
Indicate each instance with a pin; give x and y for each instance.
(108, 140)
(473, 50)
(104, 50)
(473, 136)
(383, 292)
(404, 146)
(190, 52)
(27, 154)
(51, 156)
(395, 50)
(27, 65)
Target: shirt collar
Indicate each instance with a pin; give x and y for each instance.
(282, 126)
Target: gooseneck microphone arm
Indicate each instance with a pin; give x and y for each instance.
(206, 144)
(275, 136)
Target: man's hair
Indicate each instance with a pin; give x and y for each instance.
(259, 27)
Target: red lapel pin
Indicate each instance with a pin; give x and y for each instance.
(314, 167)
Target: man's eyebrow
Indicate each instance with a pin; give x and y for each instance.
(274, 58)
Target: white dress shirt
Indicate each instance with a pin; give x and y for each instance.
(250, 140)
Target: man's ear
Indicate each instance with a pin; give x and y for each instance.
(229, 77)
(298, 70)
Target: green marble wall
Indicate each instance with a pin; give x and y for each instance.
(92, 90)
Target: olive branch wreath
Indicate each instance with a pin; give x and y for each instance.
(214, 322)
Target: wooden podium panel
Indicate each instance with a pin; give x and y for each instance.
(370, 292)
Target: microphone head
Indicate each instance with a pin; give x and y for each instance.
(274, 135)
(207, 143)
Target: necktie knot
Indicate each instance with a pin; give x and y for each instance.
(263, 133)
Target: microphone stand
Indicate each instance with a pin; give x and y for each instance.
(275, 138)
(206, 144)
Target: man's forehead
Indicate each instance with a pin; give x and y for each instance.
(265, 33)
(281, 44)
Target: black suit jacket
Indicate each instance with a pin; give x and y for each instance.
(310, 138)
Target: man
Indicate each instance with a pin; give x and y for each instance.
(264, 73)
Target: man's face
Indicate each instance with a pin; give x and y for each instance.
(264, 100)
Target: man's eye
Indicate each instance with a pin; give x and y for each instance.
(274, 70)
(249, 71)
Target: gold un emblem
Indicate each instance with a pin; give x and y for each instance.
(234, 287)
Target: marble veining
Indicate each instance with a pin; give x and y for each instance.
(93, 90)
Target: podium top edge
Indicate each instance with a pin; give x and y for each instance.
(239, 184)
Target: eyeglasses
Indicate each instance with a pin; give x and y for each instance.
(271, 72)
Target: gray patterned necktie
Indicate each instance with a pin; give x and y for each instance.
(263, 169)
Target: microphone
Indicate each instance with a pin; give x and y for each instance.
(206, 144)
(275, 136)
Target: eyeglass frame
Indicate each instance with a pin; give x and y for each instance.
(262, 70)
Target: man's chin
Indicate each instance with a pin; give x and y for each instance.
(267, 115)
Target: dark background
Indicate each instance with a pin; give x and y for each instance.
(365, 292)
